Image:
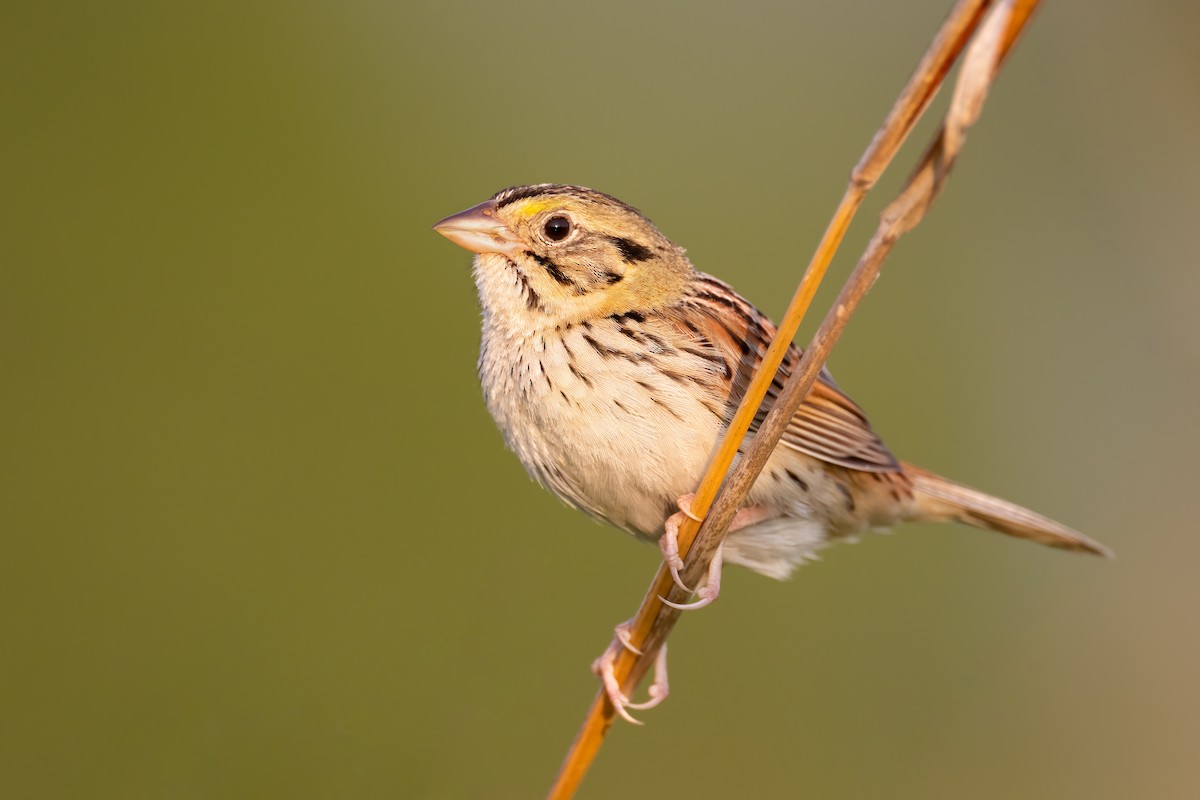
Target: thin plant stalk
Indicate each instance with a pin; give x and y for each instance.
(994, 37)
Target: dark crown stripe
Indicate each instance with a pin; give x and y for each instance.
(515, 193)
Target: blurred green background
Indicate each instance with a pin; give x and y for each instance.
(261, 539)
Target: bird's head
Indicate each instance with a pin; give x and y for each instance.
(554, 254)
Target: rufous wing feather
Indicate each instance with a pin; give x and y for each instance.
(828, 426)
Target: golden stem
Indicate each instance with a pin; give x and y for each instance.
(698, 542)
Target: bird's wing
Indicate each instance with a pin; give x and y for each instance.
(828, 425)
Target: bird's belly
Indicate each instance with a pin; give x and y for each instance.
(619, 439)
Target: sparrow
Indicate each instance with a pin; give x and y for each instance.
(612, 367)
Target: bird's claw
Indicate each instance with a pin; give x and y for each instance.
(678, 580)
(625, 637)
(706, 598)
(685, 505)
(707, 593)
(604, 668)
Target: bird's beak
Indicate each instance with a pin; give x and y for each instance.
(478, 230)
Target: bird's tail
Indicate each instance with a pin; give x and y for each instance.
(941, 500)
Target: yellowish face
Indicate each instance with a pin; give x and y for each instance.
(579, 253)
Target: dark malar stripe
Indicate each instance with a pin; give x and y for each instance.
(554, 270)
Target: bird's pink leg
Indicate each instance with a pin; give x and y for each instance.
(669, 541)
(669, 544)
(603, 667)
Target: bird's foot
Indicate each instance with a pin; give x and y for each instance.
(604, 668)
(711, 589)
(669, 544)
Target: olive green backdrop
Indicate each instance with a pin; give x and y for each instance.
(259, 537)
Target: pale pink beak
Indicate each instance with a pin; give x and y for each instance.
(478, 230)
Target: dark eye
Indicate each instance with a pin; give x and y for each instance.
(557, 228)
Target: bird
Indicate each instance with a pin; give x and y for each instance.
(612, 366)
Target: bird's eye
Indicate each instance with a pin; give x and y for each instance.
(557, 228)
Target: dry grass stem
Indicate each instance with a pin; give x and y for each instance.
(996, 25)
